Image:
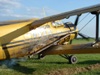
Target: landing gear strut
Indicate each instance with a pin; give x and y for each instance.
(71, 58)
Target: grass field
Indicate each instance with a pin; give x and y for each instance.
(52, 63)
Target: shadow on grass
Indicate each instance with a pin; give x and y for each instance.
(23, 69)
(89, 62)
(66, 62)
(53, 62)
(97, 73)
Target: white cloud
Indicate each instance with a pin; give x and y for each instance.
(9, 3)
(8, 11)
(41, 12)
(14, 8)
(7, 6)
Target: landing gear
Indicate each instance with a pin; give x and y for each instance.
(71, 58)
(40, 56)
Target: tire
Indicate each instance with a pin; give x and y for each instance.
(72, 59)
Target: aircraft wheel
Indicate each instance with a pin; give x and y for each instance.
(72, 59)
(40, 56)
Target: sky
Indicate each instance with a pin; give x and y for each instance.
(27, 9)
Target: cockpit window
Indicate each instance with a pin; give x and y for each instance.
(57, 23)
(68, 24)
(45, 26)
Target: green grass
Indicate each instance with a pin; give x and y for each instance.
(51, 63)
(80, 41)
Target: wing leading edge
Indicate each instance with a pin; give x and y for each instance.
(65, 14)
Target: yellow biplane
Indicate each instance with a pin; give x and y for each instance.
(47, 36)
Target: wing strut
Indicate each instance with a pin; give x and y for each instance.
(97, 27)
(77, 19)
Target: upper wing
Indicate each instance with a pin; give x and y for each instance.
(65, 14)
(13, 22)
